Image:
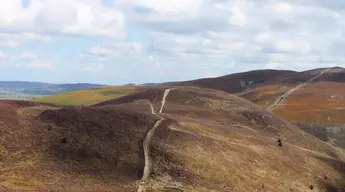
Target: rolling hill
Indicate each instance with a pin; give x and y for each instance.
(239, 82)
(318, 105)
(169, 138)
(231, 83)
(313, 98)
(319, 102)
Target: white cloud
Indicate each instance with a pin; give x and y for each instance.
(76, 17)
(13, 40)
(282, 7)
(274, 65)
(254, 34)
(237, 17)
(183, 39)
(29, 55)
(9, 43)
(179, 16)
(36, 64)
(2, 55)
(40, 64)
(127, 48)
(94, 67)
(26, 37)
(98, 50)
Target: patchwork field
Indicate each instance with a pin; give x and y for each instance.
(89, 97)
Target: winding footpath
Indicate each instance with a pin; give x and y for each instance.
(283, 97)
(148, 138)
(149, 103)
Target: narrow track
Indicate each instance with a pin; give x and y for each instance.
(166, 93)
(149, 103)
(283, 97)
(147, 141)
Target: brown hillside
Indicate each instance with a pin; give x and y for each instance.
(321, 102)
(71, 149)
(215, 124)
(209, 141)
(232, 83)
(267, 93)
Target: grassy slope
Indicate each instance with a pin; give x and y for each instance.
(88, 97)
(229, 145)
(319, 107)
(94, 157)
(266, 95)
(234, 134)
(322, 102)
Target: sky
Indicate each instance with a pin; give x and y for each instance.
(117, 42)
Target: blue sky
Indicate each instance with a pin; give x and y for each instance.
(136, 41)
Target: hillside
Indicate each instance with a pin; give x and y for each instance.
(238, 82)
(314, 99)
(181, 139)
(310, 98)
(320, 103)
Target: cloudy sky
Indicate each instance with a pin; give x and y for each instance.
(137, 41)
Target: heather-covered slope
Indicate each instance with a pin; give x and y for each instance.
(207, 140)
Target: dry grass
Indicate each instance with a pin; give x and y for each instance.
(266, 95)
(240, 156)
(88, 97)
(19, 183)
(221, 162)
(33, 156)
(321, 103)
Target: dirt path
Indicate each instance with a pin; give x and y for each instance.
(147, 150)
(283, 97)
(149, 103)
(147, 141)
(166, 93)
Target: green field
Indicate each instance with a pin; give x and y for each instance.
(88, 97)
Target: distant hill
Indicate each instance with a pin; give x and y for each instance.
(238, 82)
(155, 84)
(61, 88)
(23, 89)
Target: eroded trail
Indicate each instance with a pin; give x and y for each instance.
(147, 141)
(283, 97)
(166, 93)
(149, 103)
